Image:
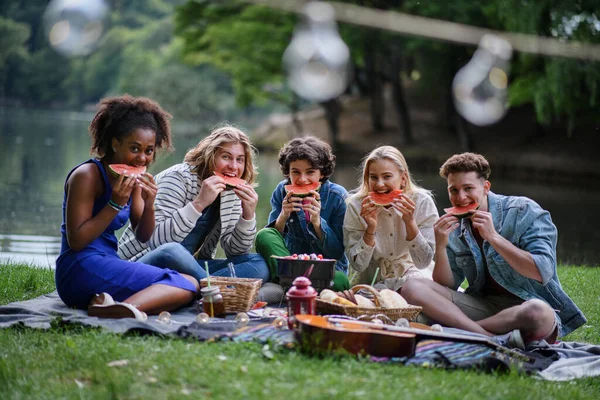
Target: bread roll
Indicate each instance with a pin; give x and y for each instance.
(362, 301)
(328, 295)
(342, 301)
(391, 299)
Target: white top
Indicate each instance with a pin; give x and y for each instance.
(396, 257)
(175, 217)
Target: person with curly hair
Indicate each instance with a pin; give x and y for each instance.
(505, 248)
(313, 226)
(89, 273)
(195, 212)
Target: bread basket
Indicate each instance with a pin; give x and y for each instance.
(327, 308)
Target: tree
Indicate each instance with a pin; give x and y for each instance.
(559, 88)
(246, 42)
(13, 36)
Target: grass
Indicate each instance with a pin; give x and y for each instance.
(71, 362)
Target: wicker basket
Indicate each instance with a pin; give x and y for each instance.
(239, 294)
(327, 307)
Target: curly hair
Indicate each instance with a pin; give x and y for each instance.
(466, 162)
(394, 155)
(118, 116)
(317, 152)
(202, 156)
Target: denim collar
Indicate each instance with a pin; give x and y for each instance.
(495, 207)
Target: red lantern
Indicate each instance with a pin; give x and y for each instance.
(301, 299)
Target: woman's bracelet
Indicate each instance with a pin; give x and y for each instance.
(115, 206)
(369, 233)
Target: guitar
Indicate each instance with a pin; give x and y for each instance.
(322, 333)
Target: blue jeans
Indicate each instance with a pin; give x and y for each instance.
(176, 257)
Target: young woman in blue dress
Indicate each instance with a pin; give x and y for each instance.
(89, 273)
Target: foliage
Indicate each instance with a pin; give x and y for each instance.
(557, 87)
(138, 54)
(71, 361)
(244, 41)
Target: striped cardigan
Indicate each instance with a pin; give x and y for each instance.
(175, 217)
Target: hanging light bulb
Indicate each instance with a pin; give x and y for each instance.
(317, 58)
(480, 87)
(74, 27)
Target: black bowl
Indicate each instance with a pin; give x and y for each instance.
(321, 276)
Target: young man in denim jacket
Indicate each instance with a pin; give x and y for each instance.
(506, 250)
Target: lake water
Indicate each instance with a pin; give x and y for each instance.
(39, 148)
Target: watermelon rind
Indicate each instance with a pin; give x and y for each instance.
(117, 169)
(230, 183)
(305, 190)
(461, 212)
(384, 199)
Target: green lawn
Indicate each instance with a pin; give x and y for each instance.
(72, 362)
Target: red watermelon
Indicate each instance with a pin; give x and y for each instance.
(302, 191)
(461, 212)
(127, 170)
(384, 199)
(230, 182)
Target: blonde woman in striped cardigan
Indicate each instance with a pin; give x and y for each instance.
(195, 212)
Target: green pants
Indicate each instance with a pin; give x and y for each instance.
(269, 242)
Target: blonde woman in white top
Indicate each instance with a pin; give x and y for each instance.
(397, 239)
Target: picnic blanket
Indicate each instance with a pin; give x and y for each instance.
(49, 309)
(562, 361)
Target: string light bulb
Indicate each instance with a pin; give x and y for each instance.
(480, 87)
(74, 27)
(317, 58)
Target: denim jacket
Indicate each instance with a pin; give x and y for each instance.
(529, 227)
(300, 236)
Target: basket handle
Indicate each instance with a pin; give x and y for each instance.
(368, 288)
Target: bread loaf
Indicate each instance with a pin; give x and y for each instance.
(328, 295)
(342, 301)
(391, 299)
(362, 301)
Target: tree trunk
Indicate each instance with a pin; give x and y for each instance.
(400, 105)
(294, 108)
(375, 86)
(332, 115)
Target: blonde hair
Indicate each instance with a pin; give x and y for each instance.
(394, 155)
(202, 157)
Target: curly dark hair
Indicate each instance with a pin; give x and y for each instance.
(317, 152)
(466, 162)
(119, 116)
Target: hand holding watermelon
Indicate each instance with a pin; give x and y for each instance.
(149, 189)
(312, 209)
(210, 188)
(289, 205)
(406, 206)
(121, 190)
(368, 212)
(249, 199)
(442, 229)
(483, 222)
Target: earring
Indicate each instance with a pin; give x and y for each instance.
(114, 150)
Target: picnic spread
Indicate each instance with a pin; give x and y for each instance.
(380, 326)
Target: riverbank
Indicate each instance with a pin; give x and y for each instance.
(515, 147)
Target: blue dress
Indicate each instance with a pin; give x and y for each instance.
(97, 268)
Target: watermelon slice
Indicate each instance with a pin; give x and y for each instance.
(230, 182)
(127, 170)
(384, 199)
(461, 212)
(302, 191)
